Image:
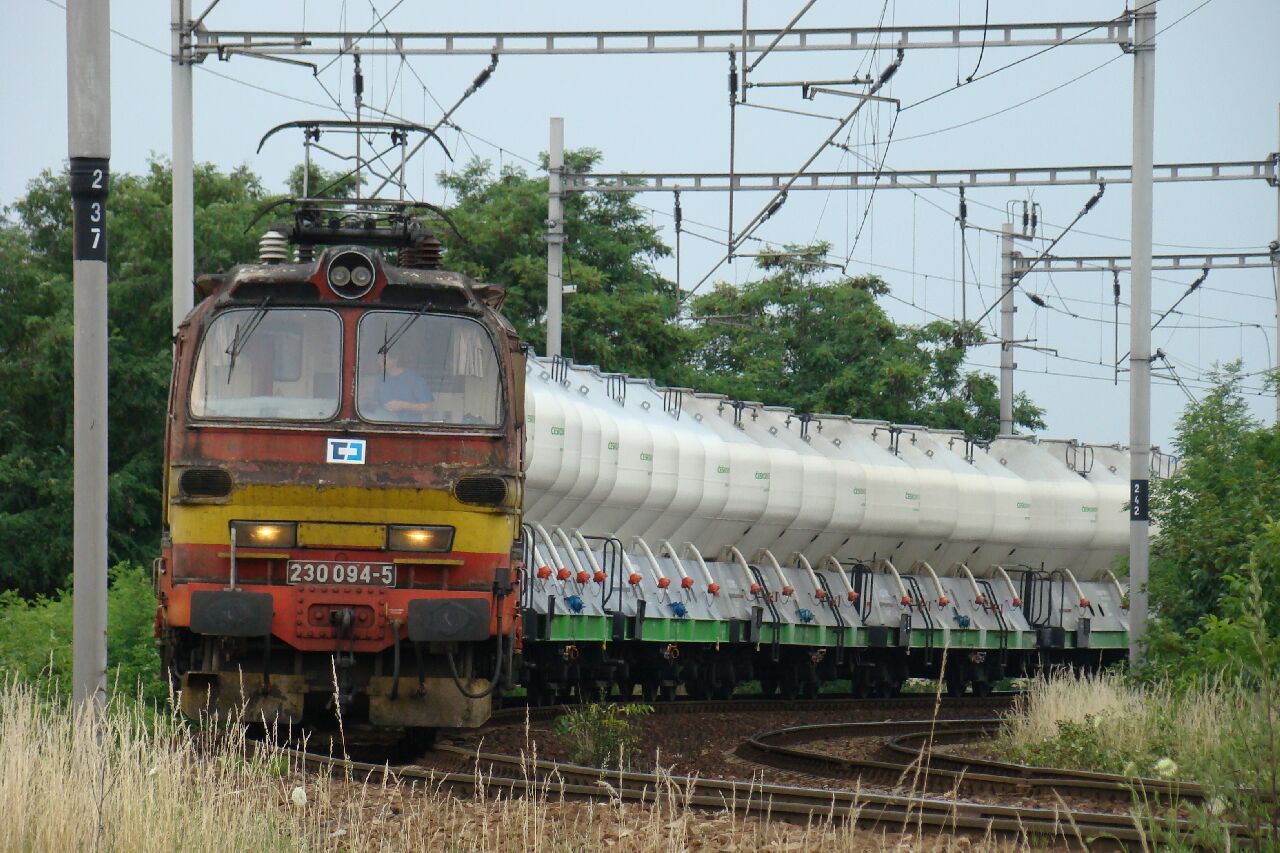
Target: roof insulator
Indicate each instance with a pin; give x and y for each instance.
(273, 248)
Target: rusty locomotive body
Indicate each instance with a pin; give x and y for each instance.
(343, 490)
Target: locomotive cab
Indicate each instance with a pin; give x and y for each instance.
(343, 491)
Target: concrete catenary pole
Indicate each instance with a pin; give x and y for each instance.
(1275, 264)
(555, 235)
(183, 165)
(1144, 62)
(1006, 329)
(89, 138)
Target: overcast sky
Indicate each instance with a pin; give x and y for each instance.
(1217, 90)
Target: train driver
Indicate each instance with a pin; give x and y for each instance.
(403, 393)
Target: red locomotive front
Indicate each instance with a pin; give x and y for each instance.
(343, 492)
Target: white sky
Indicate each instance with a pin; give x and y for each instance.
(1217, 88)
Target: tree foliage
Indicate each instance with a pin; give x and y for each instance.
(36, 358)
(1217, 526)
(622, 313)
(787, 338)
(35, 638)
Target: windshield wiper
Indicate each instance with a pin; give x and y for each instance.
(389, 341)
(242, 335)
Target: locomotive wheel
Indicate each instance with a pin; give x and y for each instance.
(982, 688)
(768, 685)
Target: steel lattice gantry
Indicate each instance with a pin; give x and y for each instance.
(318, 43)
(917, 179)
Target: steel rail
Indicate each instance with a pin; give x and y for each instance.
(922, 763)
(494, 774)
(748, 704)
(520, 773)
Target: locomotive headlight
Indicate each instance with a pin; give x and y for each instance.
(265, 534)
(405, 538)
(339, 276)
(350, 274)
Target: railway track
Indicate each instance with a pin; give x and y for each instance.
(910, 757)
(908, 754)
(918, 703)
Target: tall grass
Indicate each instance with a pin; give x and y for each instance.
(1220, 733)
(136, 780)
(1105, 721)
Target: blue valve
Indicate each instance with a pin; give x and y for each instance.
(575, 603)
(678, 608)
(962, 621)
(806, 616)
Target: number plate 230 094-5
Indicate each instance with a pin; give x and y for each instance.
(345, 574)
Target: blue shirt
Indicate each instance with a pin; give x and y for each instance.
(406, 386)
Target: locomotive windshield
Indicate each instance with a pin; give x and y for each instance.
(427, 369)
(276, 363)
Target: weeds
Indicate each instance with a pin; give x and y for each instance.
(601, 735)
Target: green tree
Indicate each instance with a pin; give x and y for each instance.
(622, 313)
(36, 358)
(1211, 514)
(789, 338)
(321, 183)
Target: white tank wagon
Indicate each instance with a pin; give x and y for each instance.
(694, 522)
(618, 455)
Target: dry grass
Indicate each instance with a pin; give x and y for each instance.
(141, 781)
(1128, 719)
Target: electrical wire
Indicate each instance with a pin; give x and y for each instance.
(973, 79)
(1045, 93)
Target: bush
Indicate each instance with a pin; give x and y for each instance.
(36, 636)
(601, 734)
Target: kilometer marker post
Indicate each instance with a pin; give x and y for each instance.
(89, 141)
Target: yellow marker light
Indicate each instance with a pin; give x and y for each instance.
(265, 534)
(405, 538)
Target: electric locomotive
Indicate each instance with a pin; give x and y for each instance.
(343, 483)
